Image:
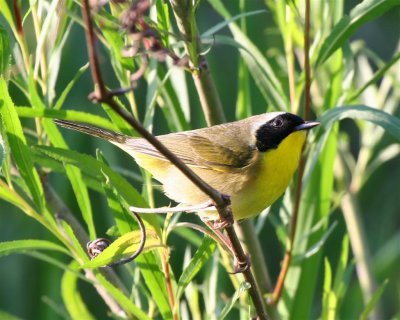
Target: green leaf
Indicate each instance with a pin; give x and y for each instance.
(10, 195)
(339, 285)
(19, 147)
(360, 112)
(123, 247)
(28, 112)
(71, 296)
(163, 21)
(94, 167)
(155, 282)
(2, 150)
(315, 206)
(329, 301)
(20, 246)
(373, 301)
(122, 216)
(361, 14)
(6, 12)
(6, 316)
(59, 103)
(244, 286)
(259, 67)
(123, 300)
(203, 253)
(73, 174)
(219, 26)
(5, 51)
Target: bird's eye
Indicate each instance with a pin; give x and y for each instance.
(277, 123)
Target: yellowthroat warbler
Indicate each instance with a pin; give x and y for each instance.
(252, 160)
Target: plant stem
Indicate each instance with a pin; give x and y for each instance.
(205, 85)
(213, 111)
(290, 60)
(359, 245)
(307, 106)
(221, 201)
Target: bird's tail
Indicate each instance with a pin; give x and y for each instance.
(92, 130)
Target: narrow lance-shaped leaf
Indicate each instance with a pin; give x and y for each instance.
(20, 246)
(18, 145)
(375, 298)
(361, 14)
(72, 115)
(71, 296)
(361, 112)
(5, 51)
(73, 173)
(201, 256)
(230, 304)
(259, 67)
(155, 282)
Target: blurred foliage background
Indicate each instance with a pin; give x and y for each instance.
(362, 160)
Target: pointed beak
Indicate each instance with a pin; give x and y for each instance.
(306, 125)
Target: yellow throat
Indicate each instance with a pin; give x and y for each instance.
(270, 177)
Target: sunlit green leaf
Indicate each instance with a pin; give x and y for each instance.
(201, 256)
(71, 296)
(244, 286)
(72, 115)
(361, 112)
(121, 297)
(19, 148)
(20, 246)
(154, 278)
(94, 167)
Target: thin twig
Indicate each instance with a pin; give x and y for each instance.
(307, 106)
(141, 244)
(168, 282)
(221, 202)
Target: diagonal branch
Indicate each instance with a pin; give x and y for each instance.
(221, 201)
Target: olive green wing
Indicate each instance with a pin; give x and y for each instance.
(215, 148)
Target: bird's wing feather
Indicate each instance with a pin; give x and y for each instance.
(216, 149)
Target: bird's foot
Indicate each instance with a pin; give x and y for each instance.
(226, 222)
(242, 266)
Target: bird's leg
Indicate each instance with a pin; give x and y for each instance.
(228, 220)
(223, 238)
(238, 266)
(242, 266)
(222, 223)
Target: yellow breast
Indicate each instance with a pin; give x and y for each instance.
(269, 178)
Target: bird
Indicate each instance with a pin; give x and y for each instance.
(252, 160)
